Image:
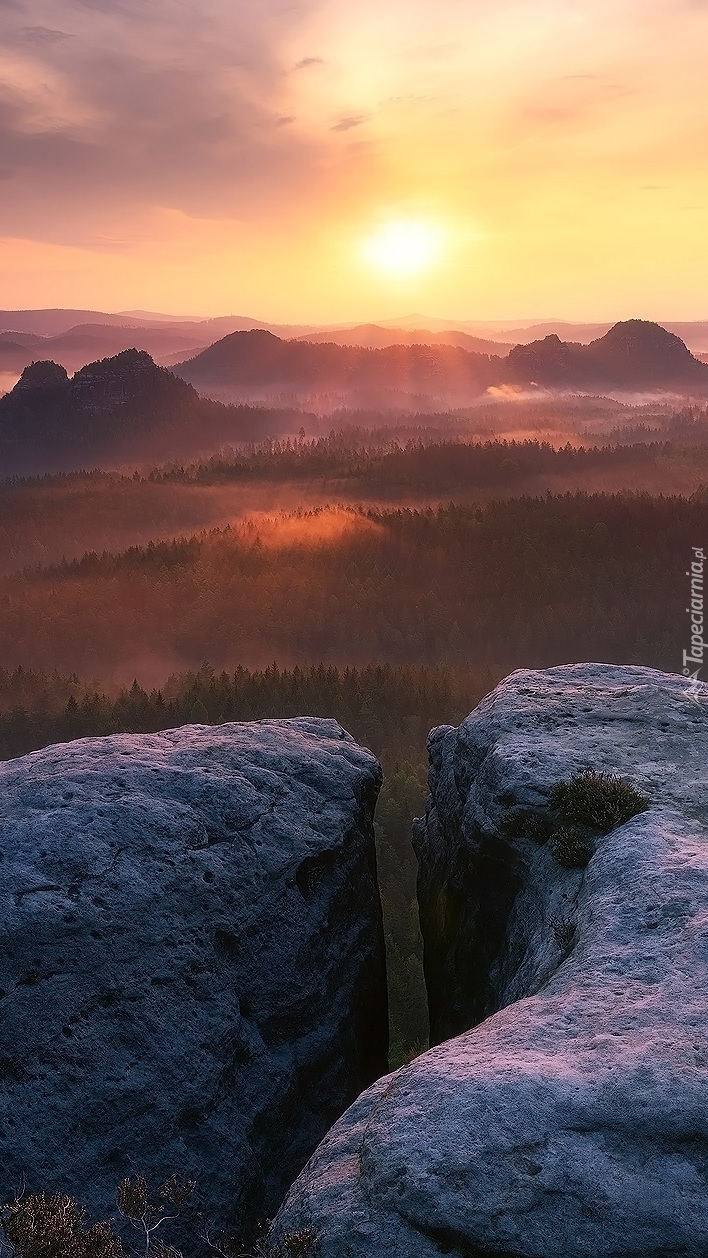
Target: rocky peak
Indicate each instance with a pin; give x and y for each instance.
(643, 351)
(548, 361)
(41, 376)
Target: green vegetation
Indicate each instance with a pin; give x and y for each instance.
(600, 800)
(593, 801)
(424, 463)
(527, 823)
(572, 850)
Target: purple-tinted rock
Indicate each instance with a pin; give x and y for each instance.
(191, 959)
(572, 1122)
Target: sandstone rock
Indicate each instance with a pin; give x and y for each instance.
(573, 1121)
(191, 959)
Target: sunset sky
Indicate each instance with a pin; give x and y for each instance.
(325, 160)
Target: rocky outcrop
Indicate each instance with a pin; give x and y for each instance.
(572, 1122)
(633, 354)
(114, 411)
(191, 959)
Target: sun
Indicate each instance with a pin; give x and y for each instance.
(403, 248)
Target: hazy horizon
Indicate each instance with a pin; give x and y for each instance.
(428, 320)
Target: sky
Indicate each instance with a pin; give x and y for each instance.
(321, 161)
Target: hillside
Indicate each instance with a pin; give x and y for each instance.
(249, 364)
(373, 336)
(524, 581)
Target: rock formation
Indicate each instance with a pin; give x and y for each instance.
(572, 1122)
(191, 959)
(634, 354)
(113, 411)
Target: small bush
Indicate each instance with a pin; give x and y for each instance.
(298, 1244)
(563, 931)
(54, 1227)
(526, 824)
(571, 849)
(600, 800)
(147, 1216)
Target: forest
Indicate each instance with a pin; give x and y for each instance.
(52, 517)
(388, 579)
(518, 582)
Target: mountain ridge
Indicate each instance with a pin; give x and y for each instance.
(634, 354)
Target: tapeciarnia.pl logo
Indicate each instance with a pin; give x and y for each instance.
(695, 611)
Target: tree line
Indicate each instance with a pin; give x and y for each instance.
(520, 582)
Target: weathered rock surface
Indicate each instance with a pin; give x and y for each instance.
(573, 1122)
(191, 959)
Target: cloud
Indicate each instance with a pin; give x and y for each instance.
(40, 35)
(309, 61)
(346, 124)
(175, 103)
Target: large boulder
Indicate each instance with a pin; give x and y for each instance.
(572, 1122)
(192, 963)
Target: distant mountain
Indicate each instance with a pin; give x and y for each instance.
(74, 337)
(21, 338)
(635, 354)
(126, 407)
(257, 364)
(117, 409)
(581, 333)
(91, 341)
(373, 336)
(14, 354)
(694, 334)
(88, 342)
(56, 322)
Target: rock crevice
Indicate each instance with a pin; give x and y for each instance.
(567, 1118)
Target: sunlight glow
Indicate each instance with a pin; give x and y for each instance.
(403, 248)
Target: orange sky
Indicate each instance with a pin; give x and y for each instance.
(323, 160)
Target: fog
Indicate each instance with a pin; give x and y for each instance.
(427, 460)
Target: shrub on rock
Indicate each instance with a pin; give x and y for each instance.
(601, 800)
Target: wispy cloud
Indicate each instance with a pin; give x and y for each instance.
(40, 35)
(346, 124)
